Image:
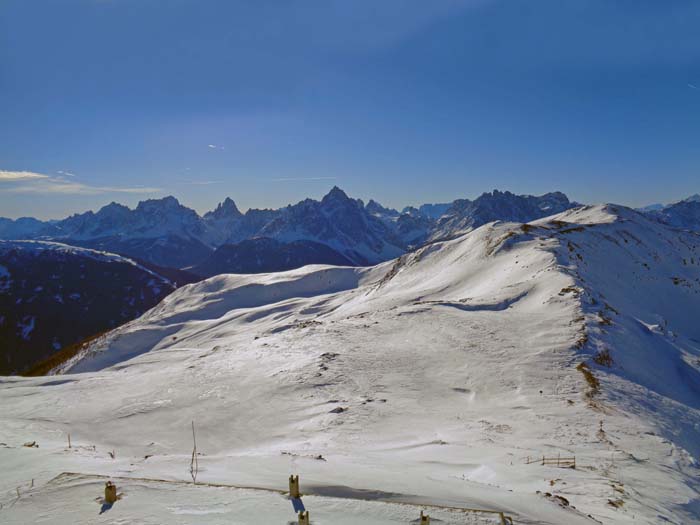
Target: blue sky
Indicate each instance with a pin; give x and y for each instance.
(407, 102)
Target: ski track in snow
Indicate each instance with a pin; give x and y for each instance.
(452, 365)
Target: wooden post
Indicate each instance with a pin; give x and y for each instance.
(294, 487)
(110, 493)
(304, 518)
(558, 458)
(503, 518)
(194, 462)
(69, 446)
(424, 519)
(543, 460)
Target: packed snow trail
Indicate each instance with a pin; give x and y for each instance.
(157, 502)
(437, 374)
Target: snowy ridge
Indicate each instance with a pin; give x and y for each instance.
(640, 291)
(98, 255)
(435, 375)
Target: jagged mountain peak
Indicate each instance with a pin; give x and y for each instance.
(340, 222)
(168, 202)
(377, 209)
(114, 206)
(335, 194)
(336, 201)
(508, 195)
(225, 209)
(114, 212)
(465, 215)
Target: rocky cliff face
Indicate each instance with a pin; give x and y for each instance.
(465, 215)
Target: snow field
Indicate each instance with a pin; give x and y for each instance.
(431, 378)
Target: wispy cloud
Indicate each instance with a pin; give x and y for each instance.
(66, 173)
(200, 182)
(302, 179)
(692, 86)
(214, 146)
(21, 176)
(31, 182)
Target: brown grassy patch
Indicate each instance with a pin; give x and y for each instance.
(495, 245)
(593, 382)
(44, 367)
(603, 358)
(400, 262)
(581, 341)
(570, 289)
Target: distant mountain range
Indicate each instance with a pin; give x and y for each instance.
(465, 215)
(684, 215)
(166, 233)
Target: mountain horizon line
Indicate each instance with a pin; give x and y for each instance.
(229, 204)
(228, 200)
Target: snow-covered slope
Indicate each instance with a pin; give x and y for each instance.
(433, 378)
(639, 285)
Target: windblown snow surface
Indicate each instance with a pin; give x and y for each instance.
(452, 366)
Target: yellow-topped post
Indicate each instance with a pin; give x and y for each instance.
(294, 487)
(110, 493)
